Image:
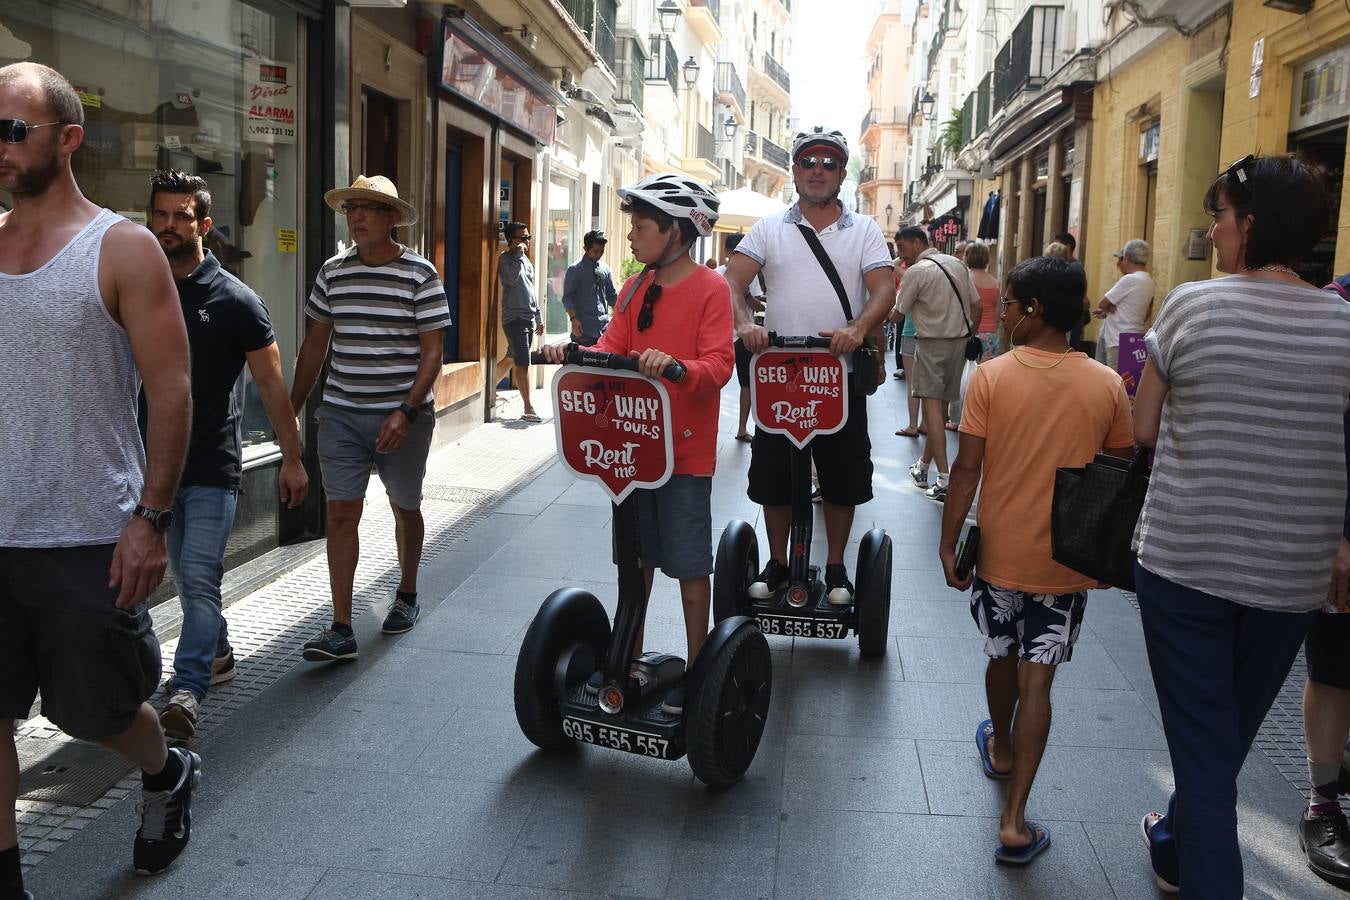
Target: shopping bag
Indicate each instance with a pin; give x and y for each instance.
(954, 410)
(1093, 515)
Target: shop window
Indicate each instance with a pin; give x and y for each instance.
(215, 92)
(564, 246)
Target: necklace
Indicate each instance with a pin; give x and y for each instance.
(1274, 267)
(1063, 356)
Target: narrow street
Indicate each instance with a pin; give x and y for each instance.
(404, 774)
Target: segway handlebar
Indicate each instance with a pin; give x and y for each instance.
(798, 340)
(576, 355)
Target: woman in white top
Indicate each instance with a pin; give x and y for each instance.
(1245, 505)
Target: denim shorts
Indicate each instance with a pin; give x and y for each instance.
(61, 632)
(347, 451)
(519, 335)
(1044, 627)
(675, 526)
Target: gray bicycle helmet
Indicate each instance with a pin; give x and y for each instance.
(678, 196)
(819, 137)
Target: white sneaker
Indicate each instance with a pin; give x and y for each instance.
(179, 719)
(919, 472)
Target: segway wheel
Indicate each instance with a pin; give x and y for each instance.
(570, 621)
(872, 606)
(729, 707)
(735, 570)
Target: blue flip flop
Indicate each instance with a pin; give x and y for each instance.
(1020, 856)
(982, 735)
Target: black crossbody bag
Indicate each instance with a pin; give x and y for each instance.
(862, 381)
(974, 347)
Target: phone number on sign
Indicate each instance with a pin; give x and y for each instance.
(617, 738)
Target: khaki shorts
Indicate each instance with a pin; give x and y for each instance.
(938, 364)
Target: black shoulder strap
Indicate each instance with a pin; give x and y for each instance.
(828, 265)
(961, 304)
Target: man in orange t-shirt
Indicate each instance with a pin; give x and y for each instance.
(1027, 412)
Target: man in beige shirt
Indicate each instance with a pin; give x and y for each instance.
(938, 293)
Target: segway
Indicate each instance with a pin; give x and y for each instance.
(576, 678)
(800, 390)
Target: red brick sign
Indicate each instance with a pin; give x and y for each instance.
(613, 427)
(800, 393)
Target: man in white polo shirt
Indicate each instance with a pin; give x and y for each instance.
(1126, 307)
(806, 303)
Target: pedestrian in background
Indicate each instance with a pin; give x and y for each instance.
(1127, 305)
(986, 285)
(89, 317)
(588, 291)
(383, 310)
(1070, 243)
(1245, 506)
(754, 298)
(1035, 408)
(228, 327)
(521, 316)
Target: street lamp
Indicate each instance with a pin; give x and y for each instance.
(729, 127)
(669, 14)
(690, 71)
(889, 210)
(927, 103)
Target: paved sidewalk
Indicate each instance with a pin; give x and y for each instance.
(404, 774)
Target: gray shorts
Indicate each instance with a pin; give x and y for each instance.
(1108, 356)
(347, 451)
(938, 364)
(675, 526)
(908, 343)
(519, 336)
(61, 633)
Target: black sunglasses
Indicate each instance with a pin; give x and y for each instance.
(648, 303)
(15, 131)
(1238, 172)
(352, 206)
(828, 163)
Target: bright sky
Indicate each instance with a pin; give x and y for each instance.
(827, 66)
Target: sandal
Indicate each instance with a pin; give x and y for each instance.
(1020, 856)
(911, 431)
(530, 417)
(952, 426)
(982, 735)
(744, 438)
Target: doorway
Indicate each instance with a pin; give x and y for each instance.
(379, 138)
(1324, 147)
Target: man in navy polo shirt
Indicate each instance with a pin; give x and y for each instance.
(227, 326)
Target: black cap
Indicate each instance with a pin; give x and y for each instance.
(594, 237)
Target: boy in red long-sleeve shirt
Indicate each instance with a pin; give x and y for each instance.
(676, 311)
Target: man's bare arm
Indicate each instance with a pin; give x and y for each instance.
(741, 270)
(264, 365)
(309, 361)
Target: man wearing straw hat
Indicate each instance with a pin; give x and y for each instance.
(383, 310)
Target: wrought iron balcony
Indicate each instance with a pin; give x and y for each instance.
(597, 19)
(868, 173)
(775, 70)
(631, 84)
(751, 143)
(774, 154)
(662, 63)
(1029, 56)
(872, 115)
(729, 85)
(706, 144)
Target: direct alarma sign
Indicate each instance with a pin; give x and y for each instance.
(613, 427)
(799, 393)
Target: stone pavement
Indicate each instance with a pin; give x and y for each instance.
(404, 774)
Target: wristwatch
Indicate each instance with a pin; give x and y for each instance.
(162, 519)
(408, 410)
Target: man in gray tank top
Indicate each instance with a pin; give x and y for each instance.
(90, 312)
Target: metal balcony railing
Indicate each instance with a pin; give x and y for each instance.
(774, 70)
(705, 144)
(985, 95)
(631, 83)
(774, 154)
(597, 20)
(662, 64)
(872, 115)
(729, 83)
(751, 143)
(968, 118)
(1029, 56)
(868, 173)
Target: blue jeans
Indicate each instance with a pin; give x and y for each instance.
(203, 517)
(1217, 666)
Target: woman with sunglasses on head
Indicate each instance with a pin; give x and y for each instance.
(676, 310)
(1245, 505)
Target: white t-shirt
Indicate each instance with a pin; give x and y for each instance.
(754, 290)
(804, 301)
(1131, 295)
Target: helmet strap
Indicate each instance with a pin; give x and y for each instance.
(669, 257)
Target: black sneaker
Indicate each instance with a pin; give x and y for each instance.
(166, 819)
(674, 702)
(222, 667)
(838, 589)
(330, 645)
(770, 581)
(1325, 838)
(402, 617)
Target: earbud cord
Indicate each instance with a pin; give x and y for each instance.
(1012, 348)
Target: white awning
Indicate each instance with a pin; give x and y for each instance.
(743, 207)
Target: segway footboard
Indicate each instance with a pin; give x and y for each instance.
(646, 732)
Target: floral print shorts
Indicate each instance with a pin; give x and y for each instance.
(1044, 627)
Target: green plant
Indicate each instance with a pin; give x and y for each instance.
(950, 137)
(630, 267)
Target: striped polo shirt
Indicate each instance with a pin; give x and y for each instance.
(1247, 496)
(377, 314)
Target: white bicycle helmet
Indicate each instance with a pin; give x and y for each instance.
(819, 137)
(679, 196)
